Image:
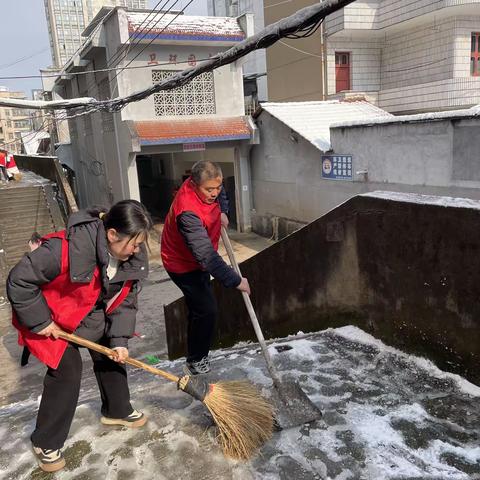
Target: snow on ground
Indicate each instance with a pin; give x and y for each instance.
(386, 416)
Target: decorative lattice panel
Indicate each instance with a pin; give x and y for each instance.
(195, 98)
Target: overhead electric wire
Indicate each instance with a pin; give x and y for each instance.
(304, 20)
(135, 40)
(74, 74)
(20, 60)
(154, 38)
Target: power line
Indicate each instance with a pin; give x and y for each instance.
(100, 70)
(116, 57)
(304, 21)
(20, 60)
(146, 33)
(155, 37)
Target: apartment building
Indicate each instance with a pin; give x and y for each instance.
(13, 122)
(67, 19)
(406, 56)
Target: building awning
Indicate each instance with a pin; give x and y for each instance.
(192, 130)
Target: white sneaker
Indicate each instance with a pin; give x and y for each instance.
(134, 420)
(197, 368)
(49, 460)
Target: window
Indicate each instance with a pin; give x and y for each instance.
(475, 55)
(195, 98)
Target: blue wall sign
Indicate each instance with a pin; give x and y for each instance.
(337, 167)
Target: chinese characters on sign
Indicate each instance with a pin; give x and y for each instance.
(193, 147)
(173, 58)
(153, 59)
(337, 167)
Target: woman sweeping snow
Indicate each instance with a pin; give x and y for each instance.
(83, 280)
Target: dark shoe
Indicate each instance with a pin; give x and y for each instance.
(197, 368)
(134, 420)
(49, 460)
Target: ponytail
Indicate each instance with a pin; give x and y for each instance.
(128, 217)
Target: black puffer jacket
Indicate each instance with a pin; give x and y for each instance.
(87, 248)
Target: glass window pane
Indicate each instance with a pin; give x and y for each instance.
(474, 42)
(472, 65)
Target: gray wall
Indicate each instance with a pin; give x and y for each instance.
(438, 158)
(404, 271)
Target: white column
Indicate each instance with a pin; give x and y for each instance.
(243, 188)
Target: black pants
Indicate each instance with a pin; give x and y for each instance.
(61, 388)
(202, 311)
(3, 173)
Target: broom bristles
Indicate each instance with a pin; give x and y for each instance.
(244, 418)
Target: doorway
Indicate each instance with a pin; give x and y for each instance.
(342, 71)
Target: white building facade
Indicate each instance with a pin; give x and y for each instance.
(67, 19)
(406, 56)
(147, 149)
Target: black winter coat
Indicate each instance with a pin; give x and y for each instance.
(87, 248)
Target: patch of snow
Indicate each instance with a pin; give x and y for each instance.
(440, 201)
(312, 120)
(421, 117)
(357, 335)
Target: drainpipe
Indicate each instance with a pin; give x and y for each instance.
(324, 61)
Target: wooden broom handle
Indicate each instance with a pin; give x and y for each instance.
(251, 311)
(70, 337)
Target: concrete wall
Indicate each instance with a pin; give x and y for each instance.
(406, 272)
(416, 55)
(438, 158)
(228, 80)
(254, 62)
(294, 66)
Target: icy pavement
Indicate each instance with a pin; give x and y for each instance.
(387, 415)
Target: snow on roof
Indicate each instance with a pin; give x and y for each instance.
(31, 144)
(421, 117)
(183, 27)
(439, 201)
(312, 120)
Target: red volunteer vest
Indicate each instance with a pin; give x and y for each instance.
(69, 304)
(176, 256)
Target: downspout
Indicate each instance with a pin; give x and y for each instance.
(324, 61)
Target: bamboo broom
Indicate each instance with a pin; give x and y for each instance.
(243, 417)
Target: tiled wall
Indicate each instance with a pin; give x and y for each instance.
(379, 14)
(365, 58)
(420, 55)
(453, 93)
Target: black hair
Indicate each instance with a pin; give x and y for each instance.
(35, 238)
(128, 217)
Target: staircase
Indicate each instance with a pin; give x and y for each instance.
(25, 207)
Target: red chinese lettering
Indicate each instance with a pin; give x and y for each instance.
(153, 59)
